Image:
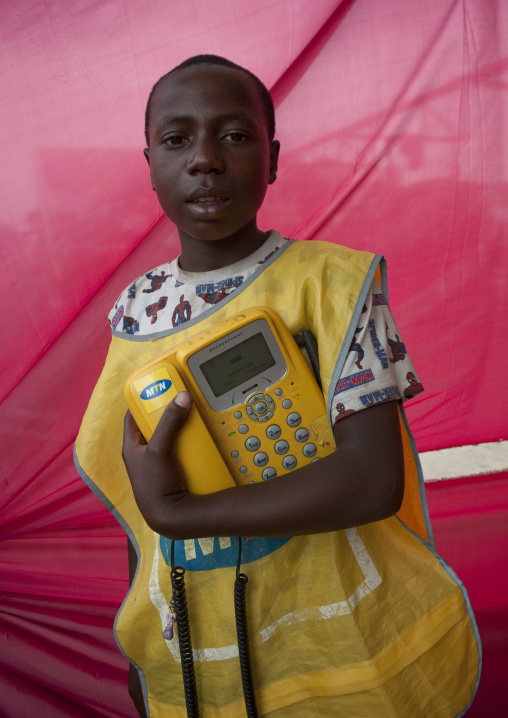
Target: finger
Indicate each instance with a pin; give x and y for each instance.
(174, 417)
(132, 436)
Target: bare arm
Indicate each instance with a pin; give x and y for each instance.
(361, 482)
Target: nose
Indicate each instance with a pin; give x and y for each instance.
(205, 156)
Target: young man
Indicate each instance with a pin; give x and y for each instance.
(330, 604)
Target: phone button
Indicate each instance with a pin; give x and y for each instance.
(270, 402)
(287, 403)
(243, 429)
(252, 443)
(289, 462)
(294, 419)
(235, 454)
(301, 434)
(261, 459)
(278, 392)
(243, 469)
(238, 414)
(268, 473)
(282, 447)
(260, 407)
(273, 431)
(309, 450)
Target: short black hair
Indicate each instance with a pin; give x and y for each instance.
(264, 94)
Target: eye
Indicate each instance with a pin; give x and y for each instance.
(236, 137)
(175, 140)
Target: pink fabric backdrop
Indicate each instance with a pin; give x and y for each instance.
(392, 120)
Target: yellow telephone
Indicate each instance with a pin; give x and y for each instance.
(258, 412)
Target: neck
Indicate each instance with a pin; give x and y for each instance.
(206, 255)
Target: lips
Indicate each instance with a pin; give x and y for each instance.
(203, 195)
(208, 203)
(210, 200)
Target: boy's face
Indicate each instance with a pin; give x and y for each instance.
(210, 157)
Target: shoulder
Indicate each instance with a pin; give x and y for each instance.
(320, 251)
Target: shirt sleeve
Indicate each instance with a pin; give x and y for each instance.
(377, 367)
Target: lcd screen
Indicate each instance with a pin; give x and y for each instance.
(245, 360)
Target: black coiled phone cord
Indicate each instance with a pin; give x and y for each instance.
(179, 607)
(242, 635)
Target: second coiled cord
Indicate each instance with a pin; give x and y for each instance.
(243, 638)
(179, 607)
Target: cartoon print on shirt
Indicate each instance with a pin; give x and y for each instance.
(118, 315)
(341, 412)
(375, 397)
(349, 382)
(398, 348)
(182, 312)
(213, 297)
(131, 291)
(378, 347)
(152, 309)
(130, 325)
(356, 347)
(414, 388)
(379, 300)
(156, 281)
(178, 283)
(214, 292)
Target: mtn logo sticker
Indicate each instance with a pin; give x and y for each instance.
(156, 389)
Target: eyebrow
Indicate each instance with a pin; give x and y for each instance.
(169, 120)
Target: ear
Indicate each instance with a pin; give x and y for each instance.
(146, 152)
(274, 161)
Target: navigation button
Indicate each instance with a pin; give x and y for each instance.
(260, 407)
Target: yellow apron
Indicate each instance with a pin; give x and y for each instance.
(364, 622)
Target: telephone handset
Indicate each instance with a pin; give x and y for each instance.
(257, 413)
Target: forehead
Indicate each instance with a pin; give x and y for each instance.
(207, 90)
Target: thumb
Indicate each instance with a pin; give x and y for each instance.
(174, 417)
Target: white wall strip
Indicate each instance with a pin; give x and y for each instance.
(460, 461)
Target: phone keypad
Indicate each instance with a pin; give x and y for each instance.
(272, 446)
